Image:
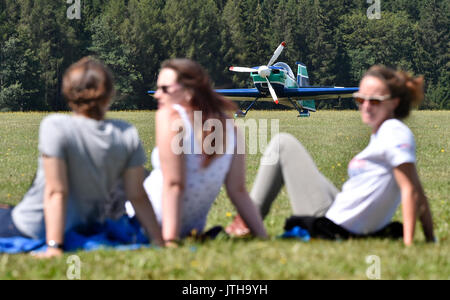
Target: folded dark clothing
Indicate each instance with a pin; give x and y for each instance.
(210, 234)
(323, 228)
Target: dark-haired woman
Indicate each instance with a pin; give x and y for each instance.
(380, 177)
(188, 168)
(82, 156)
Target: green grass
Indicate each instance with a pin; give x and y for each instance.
(332, 138)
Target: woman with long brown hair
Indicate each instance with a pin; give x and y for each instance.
(382, 176)
(82, 156)
(189, 167)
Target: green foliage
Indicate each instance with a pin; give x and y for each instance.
(192, 30)
(438, 96)
(433, 40)
(17, 75)
(11, 97)
(108, 45)
(377, 42)
(335, 39)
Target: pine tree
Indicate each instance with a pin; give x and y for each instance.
(432, 54)
(433, 40)
(286, 25)
(108, 46)
(45, 23)
(386, 41)
(143, 35)
(334, 12)
(193, 31)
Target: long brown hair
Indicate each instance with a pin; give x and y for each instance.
(192, 76)
(87, 84)
(401, 85)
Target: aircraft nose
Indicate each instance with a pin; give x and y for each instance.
(264, 71)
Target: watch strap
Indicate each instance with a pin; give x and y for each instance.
(53, 244)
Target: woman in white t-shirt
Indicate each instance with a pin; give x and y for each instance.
(195, 154)
(381, 177)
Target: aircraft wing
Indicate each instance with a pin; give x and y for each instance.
(233, 93)
(318, 93)
(239, 93)
(308, 93)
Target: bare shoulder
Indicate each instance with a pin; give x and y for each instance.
(165, 114)
(167, 119)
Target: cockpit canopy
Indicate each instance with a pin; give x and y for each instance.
(285, 67)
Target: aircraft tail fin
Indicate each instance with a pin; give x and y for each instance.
(303, 81)
(302, 75)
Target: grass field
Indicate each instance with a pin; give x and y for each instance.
(332, 137)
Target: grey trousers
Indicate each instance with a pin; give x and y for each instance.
(286, 161)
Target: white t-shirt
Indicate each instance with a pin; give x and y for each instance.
(371, 196)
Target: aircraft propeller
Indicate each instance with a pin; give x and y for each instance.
(264, 71)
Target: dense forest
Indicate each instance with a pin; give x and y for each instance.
(337, 40)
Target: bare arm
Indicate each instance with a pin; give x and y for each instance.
(237, 191)
(55, 202)
(414, 203)
(173, 169)
(133, 180)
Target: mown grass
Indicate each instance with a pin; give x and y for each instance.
(332, 137)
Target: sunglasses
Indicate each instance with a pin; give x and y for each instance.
(373, 100)
(165, 88)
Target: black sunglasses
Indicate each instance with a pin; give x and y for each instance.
(165, 88)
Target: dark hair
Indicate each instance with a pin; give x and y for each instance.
(87, 84)
(401, 85)
(192, 76)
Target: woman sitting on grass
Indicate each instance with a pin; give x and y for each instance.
(381, 176)
(188, 172)
(82, 156)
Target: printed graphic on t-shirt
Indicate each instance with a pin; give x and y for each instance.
(356, 167)
(404, 146)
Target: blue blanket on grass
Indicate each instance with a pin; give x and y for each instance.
(123, 234)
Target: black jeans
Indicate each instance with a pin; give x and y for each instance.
(323, 228)
(7, 227)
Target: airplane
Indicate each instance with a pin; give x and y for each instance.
(276, 82)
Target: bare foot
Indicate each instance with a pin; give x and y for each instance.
(237, 228)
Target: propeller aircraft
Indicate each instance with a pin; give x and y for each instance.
(276, 82)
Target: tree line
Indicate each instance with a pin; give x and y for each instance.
(335, 39)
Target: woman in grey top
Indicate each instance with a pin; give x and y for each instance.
(82, 156)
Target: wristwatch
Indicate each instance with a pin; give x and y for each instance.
(55, 245)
